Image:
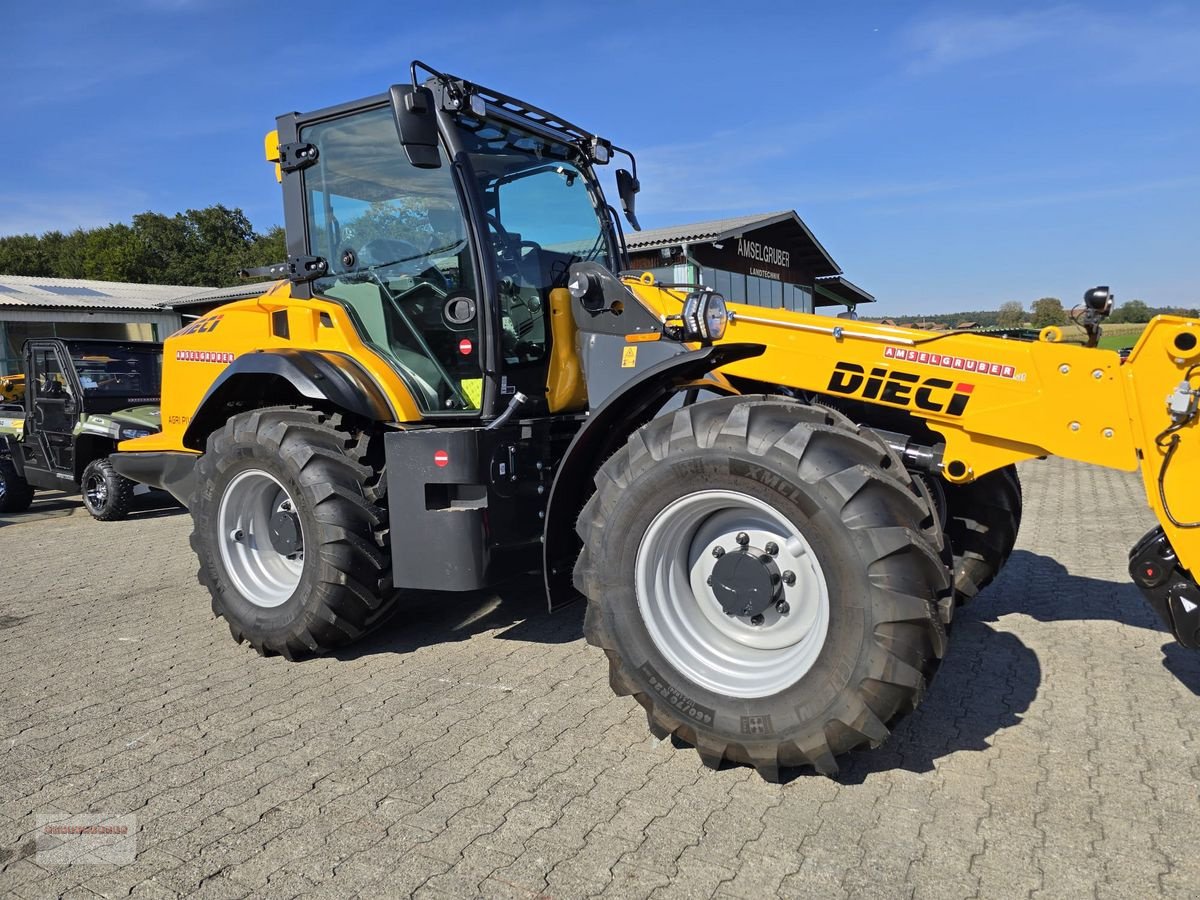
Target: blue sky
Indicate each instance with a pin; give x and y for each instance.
(948, 155)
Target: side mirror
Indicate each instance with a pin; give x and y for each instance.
(627, 188)
(416, 124)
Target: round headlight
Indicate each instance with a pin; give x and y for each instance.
(716, 317)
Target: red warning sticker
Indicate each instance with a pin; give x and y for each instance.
(441, 459)
(465, 347)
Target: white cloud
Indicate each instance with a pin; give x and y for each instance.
(1153, 45)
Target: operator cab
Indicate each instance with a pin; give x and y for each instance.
(445, 254)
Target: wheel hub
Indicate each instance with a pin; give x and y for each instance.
(746, 582)
(285, 532)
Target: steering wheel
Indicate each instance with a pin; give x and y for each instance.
(381, 251)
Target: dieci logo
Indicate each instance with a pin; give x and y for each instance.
(901, 388)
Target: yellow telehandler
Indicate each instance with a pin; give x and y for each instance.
(455, 376)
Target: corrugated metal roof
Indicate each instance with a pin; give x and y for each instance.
(77, 293)
(654, 238)
(719, 229)
(208, 296)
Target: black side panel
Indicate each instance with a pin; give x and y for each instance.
(171, 470)
(607, 429)
(467, 505)
(437, 521)
(316, 375)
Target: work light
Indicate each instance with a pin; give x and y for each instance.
(705, 316)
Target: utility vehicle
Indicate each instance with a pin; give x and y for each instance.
(772, 515)
(78, 399)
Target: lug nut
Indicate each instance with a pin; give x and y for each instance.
(783, 608)
(708, 581)
(756, 620)
(718, 552)
(742, 538)
(238, 534)
(789, 577)
(772, 548)
(285, 505)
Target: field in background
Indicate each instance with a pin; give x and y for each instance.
(1115, 337)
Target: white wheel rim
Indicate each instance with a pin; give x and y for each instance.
(729, 654)
(261, 574)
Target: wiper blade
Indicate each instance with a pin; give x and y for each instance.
(454, 247)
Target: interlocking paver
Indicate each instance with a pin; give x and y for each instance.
(473, 748)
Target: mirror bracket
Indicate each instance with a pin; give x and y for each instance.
(297, 155)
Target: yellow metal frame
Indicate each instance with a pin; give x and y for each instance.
(198, 353)
(1024, 400)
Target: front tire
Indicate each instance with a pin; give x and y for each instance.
(291, 530)
(788, 489)
(16, 494)
(107, 495)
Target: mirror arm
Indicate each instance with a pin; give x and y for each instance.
(623, 262)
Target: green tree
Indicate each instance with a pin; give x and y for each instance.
(113, 253)
(1132, 311)
(269, 248)
(1048, 311)
(204, 247)
(65, 253)
(23, 254)
(1011, 315)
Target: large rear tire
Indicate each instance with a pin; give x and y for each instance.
(16, 494)
(725, 499)
(107, 495)
(982, 522)
(291, 530)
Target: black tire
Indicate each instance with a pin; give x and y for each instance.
(871, 529)
(106, 495)
(982, 522)
(16, 494)
(334, 476)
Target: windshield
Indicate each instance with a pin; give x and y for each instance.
(400, 262)
(118, 370)
(543, 214)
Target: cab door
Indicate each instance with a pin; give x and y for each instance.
(52, 409)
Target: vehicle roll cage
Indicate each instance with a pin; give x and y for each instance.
(458, 95)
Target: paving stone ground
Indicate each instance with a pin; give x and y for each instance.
(473, 747)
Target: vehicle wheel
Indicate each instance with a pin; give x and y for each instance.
(982, 521)
(291, 530)
(764, 580)
(107, 495)
(15, 492)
